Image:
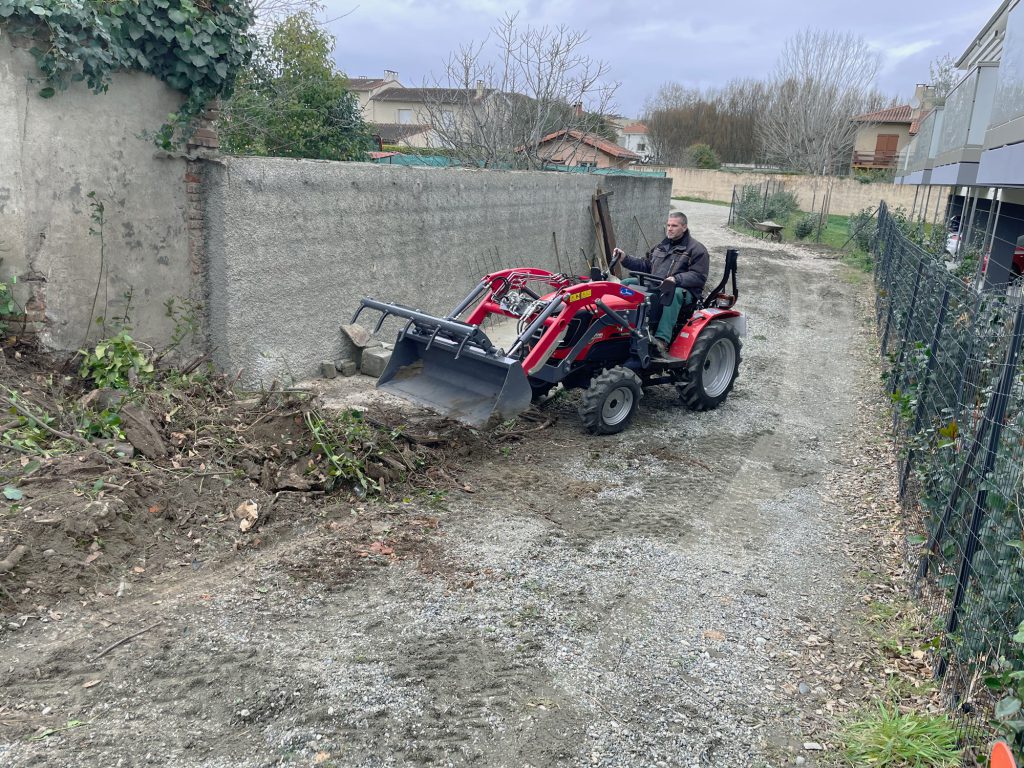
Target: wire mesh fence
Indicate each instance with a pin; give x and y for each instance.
(954, 376)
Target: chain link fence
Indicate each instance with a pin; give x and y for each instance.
(958, 418)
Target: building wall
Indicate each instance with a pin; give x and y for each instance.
(575, 153)
(848, 195)
(55, 152)
(295, 244)
(867, 135)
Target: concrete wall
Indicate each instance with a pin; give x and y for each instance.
(53, 152)
(848, 196)
(293, 245)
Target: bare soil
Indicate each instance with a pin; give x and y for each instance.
(684, 593)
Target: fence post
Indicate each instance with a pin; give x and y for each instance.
(994, 415)
(922, 391)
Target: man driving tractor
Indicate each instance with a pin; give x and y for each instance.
(683, 264)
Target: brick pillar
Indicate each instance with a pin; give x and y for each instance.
(203, 140)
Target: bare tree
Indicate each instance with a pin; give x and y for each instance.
(943, 75)
(723, 118)
(496, 100)
(821, 80)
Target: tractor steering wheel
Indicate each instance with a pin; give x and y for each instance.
(647, 279)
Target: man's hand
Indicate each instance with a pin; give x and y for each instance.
(670, 280)
(618, 253)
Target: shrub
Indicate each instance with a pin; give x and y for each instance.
(752, 205)
(862, 228)
(702, 156)
(805, 226)
(116, 362)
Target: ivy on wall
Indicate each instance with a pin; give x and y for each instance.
(197, 48)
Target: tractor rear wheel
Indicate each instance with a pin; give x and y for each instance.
(711, 369)
(608, 404)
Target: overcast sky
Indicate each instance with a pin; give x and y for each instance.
(696, 44)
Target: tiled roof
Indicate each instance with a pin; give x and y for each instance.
(425, 95)
(595, 141)
(916, 125)
(901, 114)
(392, 133)
(635, 128)
(364, 83)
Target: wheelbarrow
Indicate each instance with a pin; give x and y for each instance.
(770, 228)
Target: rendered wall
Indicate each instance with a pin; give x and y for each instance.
(848, 195)
(293, 245)
(53, 152)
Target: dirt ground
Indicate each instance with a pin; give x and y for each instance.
(683, 594)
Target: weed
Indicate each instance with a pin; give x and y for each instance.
(185, 313)
(888, 737)
(340, 445)
(117, 362)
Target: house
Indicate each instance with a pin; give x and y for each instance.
(574, 148)
(633, 136)
(969, 150)
(365, 88)
(414, 106)
(881, 135)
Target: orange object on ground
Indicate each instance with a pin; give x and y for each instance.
(1002, 757)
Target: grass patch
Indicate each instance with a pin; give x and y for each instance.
(835, 235)
(887, 737)
(691, 199)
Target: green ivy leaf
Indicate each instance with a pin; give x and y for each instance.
(1007, 708)
(13, 494)
(177, 16)
(47, 92)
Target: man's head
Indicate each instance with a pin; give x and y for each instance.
(676, 225)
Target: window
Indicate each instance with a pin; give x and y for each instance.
(641, 147)
(405, 117)
(586, 164)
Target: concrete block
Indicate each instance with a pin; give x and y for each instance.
(328, 370)
(374, 361)
(347, 367)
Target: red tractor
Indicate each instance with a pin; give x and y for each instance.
(584, 334)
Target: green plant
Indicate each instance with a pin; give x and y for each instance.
(702, 156)
(185, 314)
(196, 48)
(29, 432)
(341, 448)
(805, 226)
(754, 205)
(888, 737)
(117, 362)
(292, 101)
(862, 228)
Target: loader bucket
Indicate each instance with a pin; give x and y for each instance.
(462, 384)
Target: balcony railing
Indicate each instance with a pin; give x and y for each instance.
(875, 159)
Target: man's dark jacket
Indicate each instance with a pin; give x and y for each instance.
(685, 259)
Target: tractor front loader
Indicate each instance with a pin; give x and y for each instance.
(586, 334)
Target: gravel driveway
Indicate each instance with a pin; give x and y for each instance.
(669, 596)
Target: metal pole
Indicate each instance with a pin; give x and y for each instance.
(906, 332)
(913, 205)
(966, 238)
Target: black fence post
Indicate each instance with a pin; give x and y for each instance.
(907, 331)
(994, 415)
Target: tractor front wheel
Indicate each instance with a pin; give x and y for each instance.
(608, 404)
(711, 368)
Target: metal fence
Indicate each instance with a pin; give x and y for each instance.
(958, 416)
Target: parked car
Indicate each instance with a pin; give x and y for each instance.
(1017, 266)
